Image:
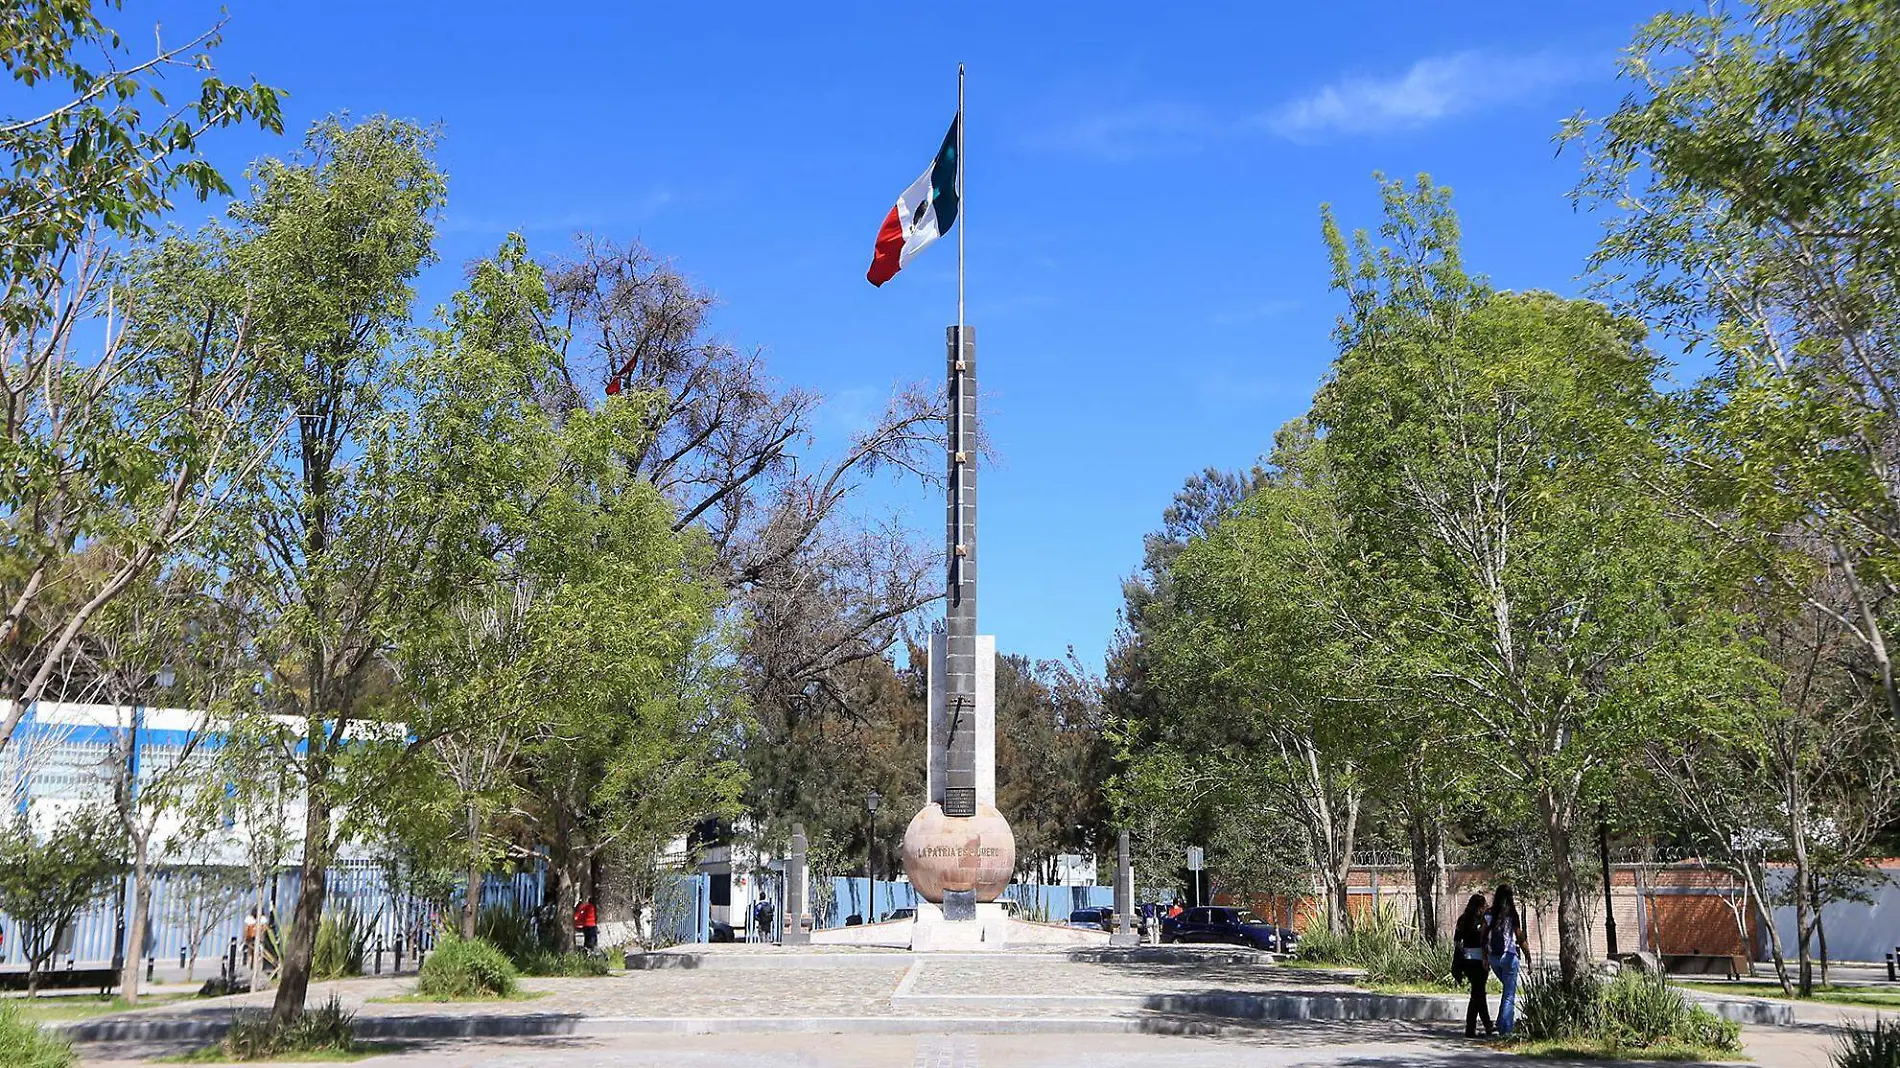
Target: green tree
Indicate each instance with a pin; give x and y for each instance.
(1751, 173)
(130, 447)
(1551, 599)
(577, 674)
(1052, 761)
(46, 882)
(1254, 662)
(1751, 176)
(346, 526)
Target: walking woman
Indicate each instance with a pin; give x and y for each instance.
(1501, 941)
(1468, 944)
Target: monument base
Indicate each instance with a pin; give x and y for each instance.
(933, 932)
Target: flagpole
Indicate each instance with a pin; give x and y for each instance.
(960, 211)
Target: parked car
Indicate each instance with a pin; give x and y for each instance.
(1100, 918)
(1228, 926)
(900, 914)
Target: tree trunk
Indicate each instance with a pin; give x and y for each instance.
(1573, 945)
(293, 982)
(1427, 844)
(1820, 927)
(472, 901)
(1764, 915)
(563, 864)
(1803, 922)
(135, 929)
(257, 944)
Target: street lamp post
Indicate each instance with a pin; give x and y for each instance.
(870, 855)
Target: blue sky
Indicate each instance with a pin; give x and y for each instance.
(1146, 275)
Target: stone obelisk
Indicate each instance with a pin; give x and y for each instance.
(959, 851)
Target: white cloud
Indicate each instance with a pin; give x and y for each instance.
(1434, 88)
(1133, 132)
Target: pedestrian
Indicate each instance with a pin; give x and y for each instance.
(1502, 939)
(1175, 910)
(1468, 964)
(586, 923)
(252, 922)
(762, 918)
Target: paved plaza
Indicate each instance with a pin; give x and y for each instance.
(815, 1009)
(1362, 1044)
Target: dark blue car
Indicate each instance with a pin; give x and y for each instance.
(1228, 926)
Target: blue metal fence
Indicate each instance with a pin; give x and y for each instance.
(220, 912)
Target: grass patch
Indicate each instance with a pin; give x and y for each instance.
(24, 1045)
(1834, 995)
(415, 998)
(81, 1007)
(1584, 1049)
(216, 1055)
(1411, 988)
(325, 1033)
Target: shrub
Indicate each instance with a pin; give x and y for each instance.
(24, 1045)
(1387, 949)
(255, 1035)
(572, 965)
(470, 968)
(1633, 1011)
(1640, 1010)
(1876, 1046)
(341, 938)
(511, 930)
(1550, 1009)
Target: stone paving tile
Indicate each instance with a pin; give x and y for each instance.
(1007, 976)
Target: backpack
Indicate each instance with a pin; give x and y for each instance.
(1503, 936)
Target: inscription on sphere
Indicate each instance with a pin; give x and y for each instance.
(965, 853)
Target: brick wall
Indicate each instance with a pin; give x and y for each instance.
(1684, 908)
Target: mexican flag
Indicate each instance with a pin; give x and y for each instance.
(925, 211)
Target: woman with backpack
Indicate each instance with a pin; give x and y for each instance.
(1468, 944)
(1502, 933)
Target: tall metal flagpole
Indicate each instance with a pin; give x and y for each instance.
(958, 447)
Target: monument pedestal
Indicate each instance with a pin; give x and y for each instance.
(933, 933)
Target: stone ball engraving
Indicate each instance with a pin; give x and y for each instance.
(959, 853)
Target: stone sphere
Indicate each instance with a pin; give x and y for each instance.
(959, 853)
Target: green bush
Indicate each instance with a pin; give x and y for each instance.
(573, 964)
(1876, 1046)
(1635, 1010)
(255, 1036)
(1549, 1009)
(517, 935)
(511, 930)
(341, 938)
(24, 1045)
(1390, 951)
(469, 968)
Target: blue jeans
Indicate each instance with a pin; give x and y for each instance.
(1505, 968)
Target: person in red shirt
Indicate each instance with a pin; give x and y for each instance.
(1175, 910)
(586, 924)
